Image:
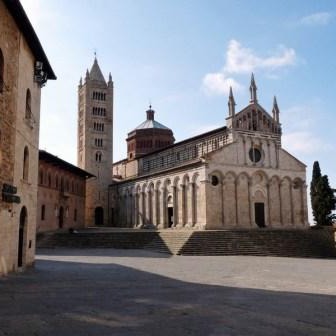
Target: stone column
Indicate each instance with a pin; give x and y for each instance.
(163, 210)
(250, 202)
(175, 206)
(155, 207)
(291, 202)
(280, 203)
(149, 207)
(268, 204)
(180, 206)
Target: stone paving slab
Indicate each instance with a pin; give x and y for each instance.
(135, 292)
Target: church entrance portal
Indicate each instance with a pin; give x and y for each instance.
(23, 224)
(259, 213)
(170, 216)
(99, 216)
(61, 217)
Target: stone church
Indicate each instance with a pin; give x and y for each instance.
(235, 176)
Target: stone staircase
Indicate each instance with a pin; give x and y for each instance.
(262, 242)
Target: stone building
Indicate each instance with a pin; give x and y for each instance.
(24, 69)
(61, 194)
(236, 176)
(94, 143)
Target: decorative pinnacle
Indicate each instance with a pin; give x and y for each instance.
(231, 103)
(253, 90)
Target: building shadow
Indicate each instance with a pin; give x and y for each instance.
(78, 298)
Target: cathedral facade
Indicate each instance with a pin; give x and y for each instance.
(237, 176)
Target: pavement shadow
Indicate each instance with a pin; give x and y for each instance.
(101, 252)
(68, 298)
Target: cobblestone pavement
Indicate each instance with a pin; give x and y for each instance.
(127, 292)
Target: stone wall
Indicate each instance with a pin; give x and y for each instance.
(61, 199)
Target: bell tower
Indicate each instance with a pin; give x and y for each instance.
(94, 141)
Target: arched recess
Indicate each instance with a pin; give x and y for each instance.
(286, 201)
(2, 72)
(243, 200)
(22, 236)
(143, 205)
(229, 201)
(275, 203)
(150, 202)
(158, 203)
(214, 191)
(185, 196)
(177, 201)
(260, 203)
(196, 199)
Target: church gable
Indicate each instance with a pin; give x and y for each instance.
(289, 162)
(255, 118)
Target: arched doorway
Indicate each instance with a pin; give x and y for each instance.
(23, 224)
(259, 213)
(61, 217)
(170, 211)
(99, 216)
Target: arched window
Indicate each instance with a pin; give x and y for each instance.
(25, 164)
(75, 215)
(49, 180)
(43, 212)
(41, 176)
(56, 182)
(28, 105)
(2, 68)
(98, 157)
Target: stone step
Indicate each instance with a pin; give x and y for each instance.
(304, 243)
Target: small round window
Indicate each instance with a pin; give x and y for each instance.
(255, 155)
(214, 180)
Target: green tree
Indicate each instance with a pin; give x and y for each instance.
(322, 197)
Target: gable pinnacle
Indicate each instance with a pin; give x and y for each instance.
(231, 104)
(253, 90)
(275, 110)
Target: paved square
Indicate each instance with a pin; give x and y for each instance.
(133, 292)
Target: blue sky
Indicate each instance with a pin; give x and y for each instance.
(182, 56)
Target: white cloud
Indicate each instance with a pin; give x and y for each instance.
(244, 60)
(316, 19)
(241, 60)
(217, 83)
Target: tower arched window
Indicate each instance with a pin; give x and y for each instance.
(2, 70)
(28, 105)
(25, 164)
(98, 156)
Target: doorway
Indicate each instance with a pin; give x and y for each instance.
(61, 217)
(170, 216)
(259, 213)
(23, 224)
(99, 216)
